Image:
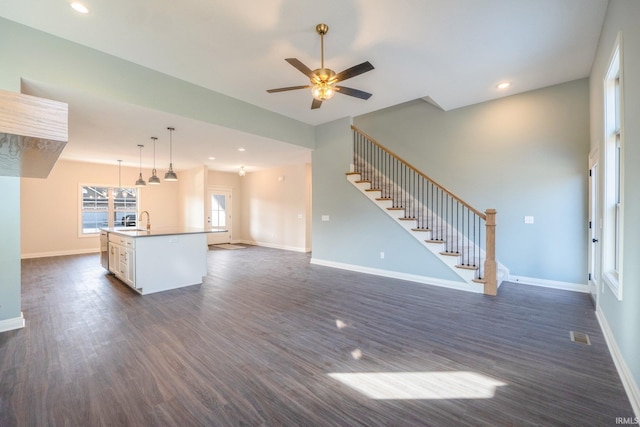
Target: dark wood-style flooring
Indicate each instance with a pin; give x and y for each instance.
(257, 342)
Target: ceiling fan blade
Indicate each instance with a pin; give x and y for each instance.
(284, 89)
(315, 104)
(356, 70)
(300, 66)
(353, 92)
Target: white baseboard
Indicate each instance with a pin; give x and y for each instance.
(59, 253)
(451, 284)
(11, 324)
(629, 383)
(567, 286)
(274, 246)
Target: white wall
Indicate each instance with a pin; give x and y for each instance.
(49, 208)
(276, 208)
(265, 209)
(192, 194)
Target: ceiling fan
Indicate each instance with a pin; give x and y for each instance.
(323, 80)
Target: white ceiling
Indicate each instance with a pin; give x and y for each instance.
(452, 51)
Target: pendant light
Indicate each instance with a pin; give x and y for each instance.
(170, 175)
(119, 174)
(153, 179)
(140, 182)
(242, 172)
(117, 190)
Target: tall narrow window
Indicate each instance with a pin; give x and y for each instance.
(103, 206)
(614, 172)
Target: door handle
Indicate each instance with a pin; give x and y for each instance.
(594, 240)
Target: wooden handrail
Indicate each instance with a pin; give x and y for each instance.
(410, 166)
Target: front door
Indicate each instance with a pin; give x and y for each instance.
(594, 230)
(219, 216)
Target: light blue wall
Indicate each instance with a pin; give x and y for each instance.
(357, 231)
(623, 317)
(10, 269)
(524, 155)
(10, 248)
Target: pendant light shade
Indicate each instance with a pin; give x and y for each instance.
(242, 172)
(153, 179)
(170, 175)
(140, 182)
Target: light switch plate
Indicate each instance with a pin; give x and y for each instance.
(325, 217)
(528, 220)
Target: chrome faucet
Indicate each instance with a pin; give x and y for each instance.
(148, 219)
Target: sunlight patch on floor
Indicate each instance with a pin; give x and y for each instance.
(420, 385)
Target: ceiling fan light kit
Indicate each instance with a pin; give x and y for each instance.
(323, 80)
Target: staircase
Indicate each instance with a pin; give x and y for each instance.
(462, 237)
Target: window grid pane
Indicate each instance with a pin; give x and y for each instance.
(99, 204)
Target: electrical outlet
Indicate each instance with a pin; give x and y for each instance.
(325, 217)
(381, 255)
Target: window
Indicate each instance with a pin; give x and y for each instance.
(614, 160)
(107, 207)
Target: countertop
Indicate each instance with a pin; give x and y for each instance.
(158, 231)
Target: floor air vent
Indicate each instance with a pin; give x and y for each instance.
(580, 338)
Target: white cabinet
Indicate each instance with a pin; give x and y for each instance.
(154, 261)
(122, 260)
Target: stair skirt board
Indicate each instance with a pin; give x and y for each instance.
(434, 281)
(437, 247)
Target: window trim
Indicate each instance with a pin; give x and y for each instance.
(110, 210)
(613, 200)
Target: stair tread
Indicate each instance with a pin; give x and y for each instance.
(395, 209)
(420, 229)
(435, 241)
(467, 267)
(450, 253)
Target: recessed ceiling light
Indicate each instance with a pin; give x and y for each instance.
(504, 85)
(212, 158)
(79, 7)
(241, 149)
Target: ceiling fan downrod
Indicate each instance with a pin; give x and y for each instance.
(322, 29)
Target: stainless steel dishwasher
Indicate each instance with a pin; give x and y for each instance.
(104, 249)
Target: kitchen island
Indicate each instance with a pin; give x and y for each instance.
(158, 259)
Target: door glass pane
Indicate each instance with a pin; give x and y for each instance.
(218, 211)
